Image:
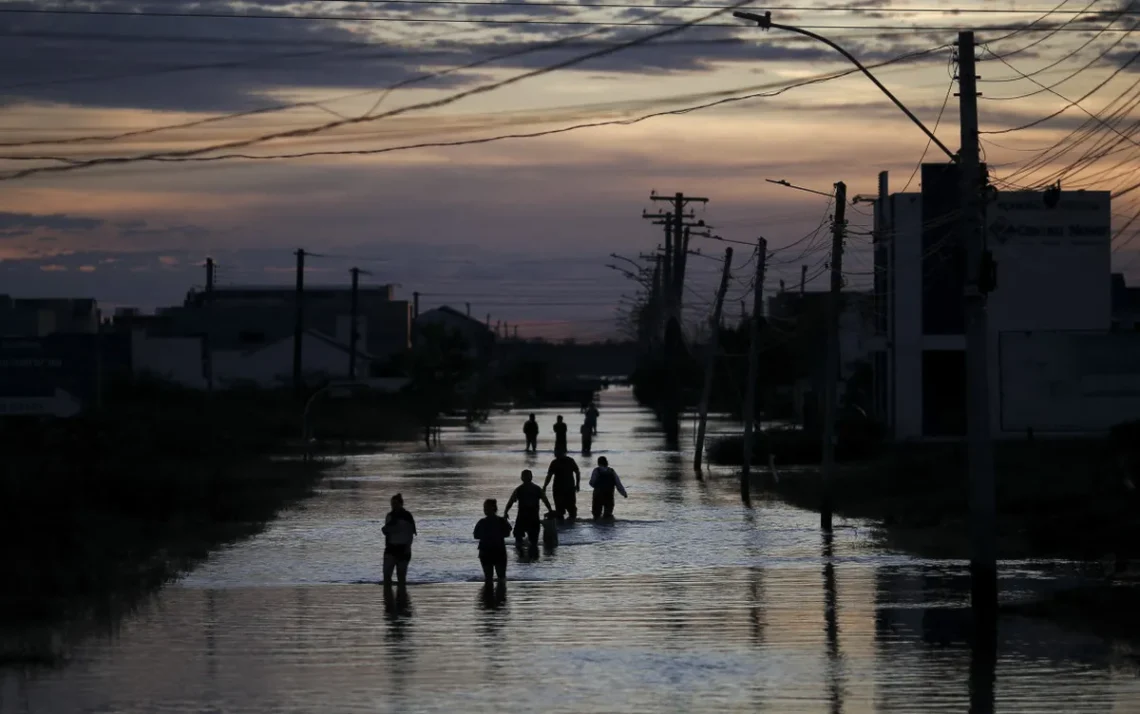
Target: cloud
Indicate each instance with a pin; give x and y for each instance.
(14, 225)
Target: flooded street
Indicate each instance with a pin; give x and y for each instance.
(687, 603)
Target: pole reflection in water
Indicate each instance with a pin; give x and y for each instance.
(983, 662)
(830, 605)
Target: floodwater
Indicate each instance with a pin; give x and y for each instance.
(687, 603)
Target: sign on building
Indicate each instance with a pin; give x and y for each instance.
(1054, 257)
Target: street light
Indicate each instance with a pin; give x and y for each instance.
(765, 23)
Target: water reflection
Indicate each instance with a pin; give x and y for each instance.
(831, 620)
(687, 602)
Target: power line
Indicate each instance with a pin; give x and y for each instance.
(175, 158)
(370, 118)
(957, 11)
(488, 21)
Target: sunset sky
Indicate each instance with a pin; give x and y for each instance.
(522, 228)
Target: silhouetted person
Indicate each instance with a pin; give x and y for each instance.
(560, 436)
(592, 418)
(567, 482)
(399, 530)
(530, 431)
(529, 496)
(587, 437)
(492, 532)
(604, 480)
(550, 530)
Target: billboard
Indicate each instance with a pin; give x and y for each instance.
(1066, 381)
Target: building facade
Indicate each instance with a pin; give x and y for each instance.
(1052, 275)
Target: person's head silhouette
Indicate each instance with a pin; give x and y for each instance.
(527, 476)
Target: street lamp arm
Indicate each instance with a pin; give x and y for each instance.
(765, 22)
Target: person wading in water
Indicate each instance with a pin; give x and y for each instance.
(491, 532)
(530, 431)
(560, 430)
(567, 482)
(605, 481)
(528, 522)
(399, 530)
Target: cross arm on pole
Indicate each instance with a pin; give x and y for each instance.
(765, 23)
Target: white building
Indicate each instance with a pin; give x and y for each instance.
(1052, 277)
(186, 361)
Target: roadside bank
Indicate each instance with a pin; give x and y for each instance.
(99, 511)
(1063, 499)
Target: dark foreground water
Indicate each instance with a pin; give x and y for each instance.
(688, 603)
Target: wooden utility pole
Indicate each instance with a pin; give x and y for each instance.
(831, 357)
(803, 278)
(354, 332)
(299, 323)
(983, 527)
(753, 368)
(710, 360)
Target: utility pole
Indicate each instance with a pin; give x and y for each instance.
(803, 278)
(710, 360)
(979, 273)
(753, 368)
(354, 333)
(208, 367)
(415, 305)
(299, 324)
(831, 359)
(675, 226)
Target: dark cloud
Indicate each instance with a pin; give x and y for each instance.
(145, 62)
(15, 225)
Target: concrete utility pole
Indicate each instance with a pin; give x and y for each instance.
(299, 323)
(670, 412)
(354, 333)
(753, 368)
(710, 360)
(831, 360)
(983, 548)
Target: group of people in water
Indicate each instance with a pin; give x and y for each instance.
(588, 430)
(493, 530)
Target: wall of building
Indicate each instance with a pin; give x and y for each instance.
(272, 365)
(1068, 381)
(905, 341)
(180, 360)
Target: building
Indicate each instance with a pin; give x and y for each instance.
(249, 316)
(1052, 278)
(39, 317)
(1125, 305)
(479, 337)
